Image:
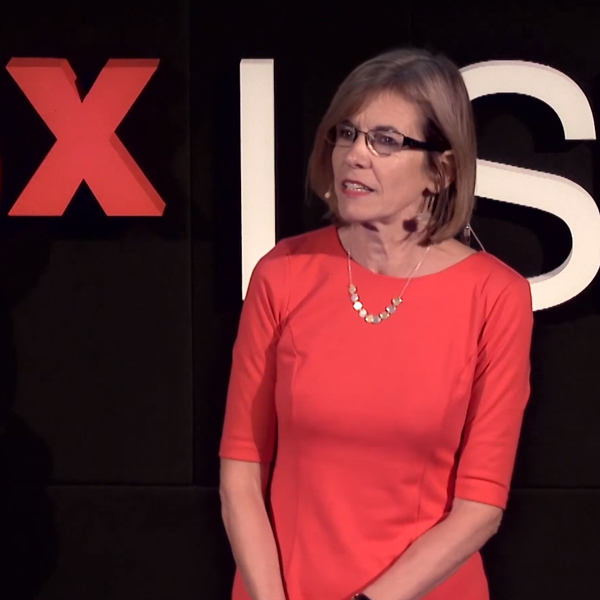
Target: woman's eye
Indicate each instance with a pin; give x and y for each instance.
(345, 132)
(386, 140)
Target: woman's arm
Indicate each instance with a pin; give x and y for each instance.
(438, 553)
(249, 530)
(499, 395)
(249, 430)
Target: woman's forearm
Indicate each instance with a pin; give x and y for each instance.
(438, 553)
(253, 544)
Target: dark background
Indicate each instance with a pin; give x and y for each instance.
(116, 333)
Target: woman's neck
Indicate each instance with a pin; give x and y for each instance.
(383, 251)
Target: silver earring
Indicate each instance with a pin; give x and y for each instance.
(327, 194)
(467, 234)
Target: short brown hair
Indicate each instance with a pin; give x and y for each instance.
(435, 85)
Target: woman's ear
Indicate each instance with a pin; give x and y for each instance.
(447, 164)
(442, 173)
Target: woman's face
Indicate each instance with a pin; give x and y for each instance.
(382, 190)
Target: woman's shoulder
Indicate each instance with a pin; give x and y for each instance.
(294, 248)
(495, 282)
(495, 272)
(478, 275)
(471, 267)
(313, 242)
(308, 242)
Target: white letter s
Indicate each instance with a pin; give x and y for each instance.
(551, 193)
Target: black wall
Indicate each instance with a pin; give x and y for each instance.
(116, 333)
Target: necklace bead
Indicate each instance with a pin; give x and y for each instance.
(363, 313)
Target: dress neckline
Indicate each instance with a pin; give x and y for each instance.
(450, 270)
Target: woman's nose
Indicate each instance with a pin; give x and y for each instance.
(359, 154)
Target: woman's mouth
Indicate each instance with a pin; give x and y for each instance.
(355, 187)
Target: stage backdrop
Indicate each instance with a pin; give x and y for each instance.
(117, 329)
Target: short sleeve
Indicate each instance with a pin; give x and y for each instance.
(250, 419)
(500, 392)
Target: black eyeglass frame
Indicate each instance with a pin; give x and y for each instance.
(407, 142)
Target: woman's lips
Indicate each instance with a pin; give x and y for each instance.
(354, 188)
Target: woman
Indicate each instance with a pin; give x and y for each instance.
(381, 367)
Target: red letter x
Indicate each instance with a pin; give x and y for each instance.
(86, 147)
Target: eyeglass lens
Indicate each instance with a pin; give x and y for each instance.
(383, 143)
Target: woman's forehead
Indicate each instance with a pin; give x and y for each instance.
(387, 108)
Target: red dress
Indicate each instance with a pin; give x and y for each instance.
(380, 426)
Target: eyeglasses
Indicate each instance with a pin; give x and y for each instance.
(381, 142)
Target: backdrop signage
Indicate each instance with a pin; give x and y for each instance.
(495, 181)
(87, 147)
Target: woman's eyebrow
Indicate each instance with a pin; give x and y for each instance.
(385, 128)
(376, 128)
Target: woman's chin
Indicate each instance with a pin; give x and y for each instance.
(359, 217)
(362, 215)
(355, 214)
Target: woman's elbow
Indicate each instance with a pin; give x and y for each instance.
(487, 517)
(495, 521)
(238, 480)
